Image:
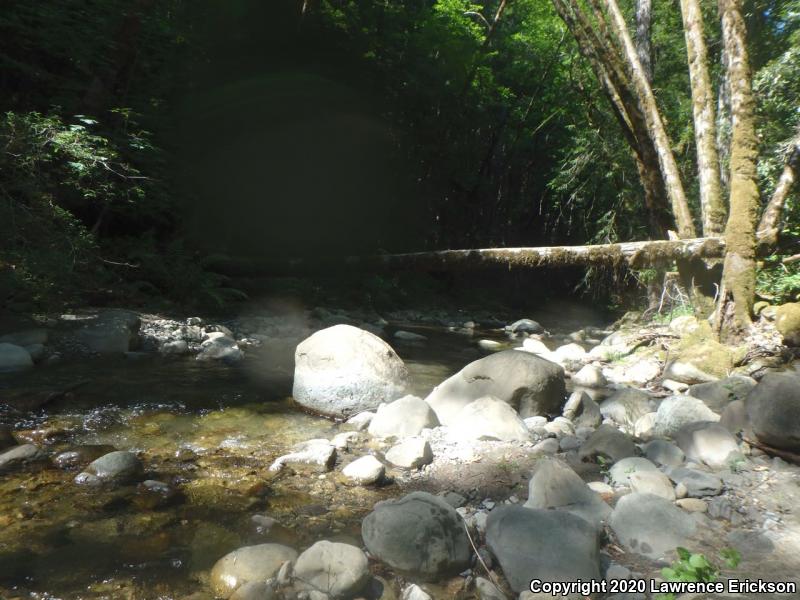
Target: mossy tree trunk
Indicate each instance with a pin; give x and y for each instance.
(705, 127)
(739, 271)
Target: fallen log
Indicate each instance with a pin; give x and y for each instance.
(635, 255)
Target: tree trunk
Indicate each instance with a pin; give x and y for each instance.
(770, 220)
(739, 273)
(724, 123)
(609, 69)
(705, 130)
(644, 48)
(669, 168)
(635, 255)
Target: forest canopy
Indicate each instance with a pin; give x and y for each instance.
(138, 136)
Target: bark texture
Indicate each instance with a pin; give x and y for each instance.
(705, 127)
(644, 47)
(739, 273)
(596, 45)
(669, 168)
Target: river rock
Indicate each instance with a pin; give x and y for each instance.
(709, 443)
(365, 470)
(697, 484)
(625, 406)
(487, 590)
(620, 473)
(489, 418)
(535, 346)
(651, 482)
(645, 427)
(556, 486)
(664, 453)
(80, 456)
(718, 394)
(525, 326)
(787, 322)
(650, 525)
(411, 453)
(568, 354)
(254, 590)
(119, 466)
(530, 384)
(20, 456)
(405, 417)
(338, 570)
(608, 442)
(362, 420)
(589, 376)
(582, 410)
(249, 563)
(734, 417)
(14, 358)
(319, 453)
(419, 533)
(700, 360)
(676, 411)
(773, 407)
(112, 331)
(343, 370)
(414, 592)
(218, 346)
(550, 545)
(175, 347)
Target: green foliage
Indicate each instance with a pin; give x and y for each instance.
(693, 567)
(777, 281)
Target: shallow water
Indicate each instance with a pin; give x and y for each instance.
(210, 430)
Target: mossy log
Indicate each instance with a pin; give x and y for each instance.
(635, 255)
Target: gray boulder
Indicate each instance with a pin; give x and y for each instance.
(664, 453)
(111, 331)
(338, 570)
(620, 473)
(246, 564)
(221, 347)
(698, 484)
(365, 470)
(652, 482)
(119, 466)
(556, 486)
(676, 411)
(609, 443)
(405, 417)
(709, 443)
(734, 417)
(717, 394)
(343, 370)
(582, 410)
(20, 456)
(14, 358)
(411, 453)
(774, 410)
(525, 326)
(651, 525)
(550, 545)
(530, 384)
(625, 406)
(489, 418)
(419, 533)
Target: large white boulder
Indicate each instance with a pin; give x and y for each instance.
(343, 370)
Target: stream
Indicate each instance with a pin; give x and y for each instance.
(207, 429)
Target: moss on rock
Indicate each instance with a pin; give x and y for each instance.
(787, 321)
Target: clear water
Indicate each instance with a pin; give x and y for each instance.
(210, 430)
